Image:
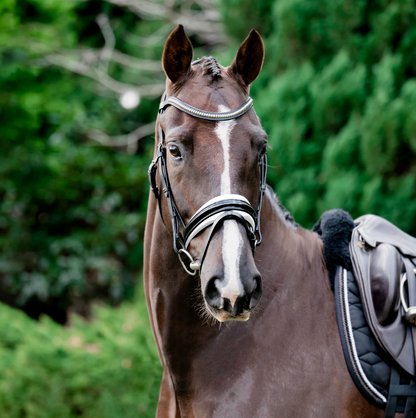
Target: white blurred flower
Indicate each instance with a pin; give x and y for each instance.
(130, 99)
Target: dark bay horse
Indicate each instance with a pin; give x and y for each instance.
(278, 354)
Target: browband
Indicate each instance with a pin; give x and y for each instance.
(202, 114)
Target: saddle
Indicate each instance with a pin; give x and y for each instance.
(384, 261)
(371, 268)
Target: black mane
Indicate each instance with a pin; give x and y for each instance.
(284, 213)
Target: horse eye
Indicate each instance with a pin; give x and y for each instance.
(263, 151)
(174, 151)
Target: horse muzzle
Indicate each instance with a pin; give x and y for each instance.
(230, 306)
(230, 283)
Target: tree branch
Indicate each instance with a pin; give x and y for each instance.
(109, 40)
(129, 140)
(203, 23)
(151, 90)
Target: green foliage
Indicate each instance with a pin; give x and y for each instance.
(241, 15)
(105, 368)
(71, 214)
(337, 98)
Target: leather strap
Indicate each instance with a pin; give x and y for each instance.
(204, 215)
(218, 222)
(410, 410)
(411, 286)
(403, 390)
(202, 114)
(414, 341)
(391, 406)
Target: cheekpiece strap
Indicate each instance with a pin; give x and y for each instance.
(202, 114)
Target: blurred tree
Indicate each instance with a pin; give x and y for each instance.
(336, 96)
(72, 201)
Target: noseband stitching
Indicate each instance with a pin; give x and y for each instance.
(217, 210)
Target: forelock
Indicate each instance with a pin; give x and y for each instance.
(210, 66)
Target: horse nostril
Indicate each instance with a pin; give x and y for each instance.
(212, 293)
(233, 303)
(256, 292)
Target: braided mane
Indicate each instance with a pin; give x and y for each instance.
(210, 66)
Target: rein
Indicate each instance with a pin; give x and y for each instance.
(215, 211)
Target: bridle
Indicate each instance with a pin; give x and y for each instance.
(215, 211)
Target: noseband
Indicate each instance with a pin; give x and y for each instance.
(215, 211)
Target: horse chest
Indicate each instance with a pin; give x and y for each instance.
(247, 379)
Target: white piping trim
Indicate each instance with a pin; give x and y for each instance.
(353, 347)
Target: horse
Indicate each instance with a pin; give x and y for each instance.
(242, 329)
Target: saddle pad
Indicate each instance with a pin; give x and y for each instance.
(367, 363)
(365, 359)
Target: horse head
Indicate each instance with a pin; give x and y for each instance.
(211, 159)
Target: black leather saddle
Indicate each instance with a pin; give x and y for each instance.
(384, 262)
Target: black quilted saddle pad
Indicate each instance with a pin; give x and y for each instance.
(367, 363)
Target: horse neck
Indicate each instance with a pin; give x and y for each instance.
(289, 253)
(291, 264)
(294, 276)
(171, 293)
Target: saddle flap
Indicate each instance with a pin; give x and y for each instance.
(385, 266)
(378, 264)
(376, 230)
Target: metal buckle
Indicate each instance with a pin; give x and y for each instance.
(361, 242)
(409, 312)
(194, 264)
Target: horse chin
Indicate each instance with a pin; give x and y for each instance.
(223, 316)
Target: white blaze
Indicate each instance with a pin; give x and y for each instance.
(232, 240)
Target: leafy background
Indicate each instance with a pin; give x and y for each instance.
(336, 95)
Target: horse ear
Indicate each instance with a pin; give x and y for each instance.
(177, 54)
(249, 59)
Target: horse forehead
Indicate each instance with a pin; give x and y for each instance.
(219, 95)
(207, 134)
(202, 92)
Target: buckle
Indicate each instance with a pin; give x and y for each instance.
(193, 264)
